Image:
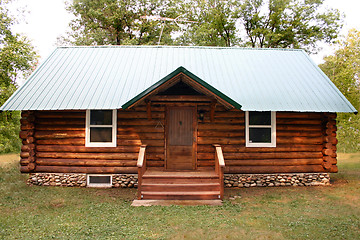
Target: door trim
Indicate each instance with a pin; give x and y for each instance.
(195, 133)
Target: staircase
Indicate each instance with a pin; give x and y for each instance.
(180, 185)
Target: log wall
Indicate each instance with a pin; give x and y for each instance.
(305, 142)
(54, 142)
(60, 142)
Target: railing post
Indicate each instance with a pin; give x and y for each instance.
(141, 164)
(219, 167)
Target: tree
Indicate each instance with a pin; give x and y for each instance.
(215, 23)
(17, 59)
(343, 68)
(118, 22)
(288, 23)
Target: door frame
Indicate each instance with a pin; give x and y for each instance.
(195, 123)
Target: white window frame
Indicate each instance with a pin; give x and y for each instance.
(273, 131)
(100, 144)
(99, 185)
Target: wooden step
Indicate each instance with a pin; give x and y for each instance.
(198, 195)
(180, 187)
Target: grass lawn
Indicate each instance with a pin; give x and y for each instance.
(331, 212)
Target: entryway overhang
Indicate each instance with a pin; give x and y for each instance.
(182, 74)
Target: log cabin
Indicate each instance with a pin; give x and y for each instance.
(177, 119)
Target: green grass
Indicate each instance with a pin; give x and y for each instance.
(331, 212)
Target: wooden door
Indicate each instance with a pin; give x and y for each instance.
(180, 140)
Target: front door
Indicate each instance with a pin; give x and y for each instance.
(180, 142)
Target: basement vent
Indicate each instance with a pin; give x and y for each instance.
(99, 180)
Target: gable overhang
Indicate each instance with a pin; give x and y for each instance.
(182, 74)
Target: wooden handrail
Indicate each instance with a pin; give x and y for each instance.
(141, 158)
(219, 167)
(141, 164)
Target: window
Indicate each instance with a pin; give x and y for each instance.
(100, 128)
(99, 180)
(260, 129)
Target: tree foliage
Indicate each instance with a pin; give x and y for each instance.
(343, 68)
(118, 22)
(17, 59)
(250, 23)
(288, 23)
(215, 23)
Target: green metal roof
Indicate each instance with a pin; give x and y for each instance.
(111, 77)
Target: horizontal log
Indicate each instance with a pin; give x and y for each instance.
(218, 126)
(31, 167)
(29, 126)
(275, 169)
(25, 121)
(25, 114)
(24, 169)
(327, 165)
(24, 161)
(240, 121)
(24, 154)
(60, 114)
(272, 155)
(275, 162)
(28, 140)
(28, 147)
(330, 124)
(140, 122)
(300, 115)
(278, 148)
(59, 134)
(25, 134)
(212, 133)
(152, 163)
(117, 156)
(299, 127)
(289, 121)
(330, 159)
(52, 121)
(299, 133)
(328, 152)
(142, 108)
(71, 148)
(299, 140)
(142, 129)
(330, 115)
(229, 114)
(154, 135)
(329, 131)
(69, 141)
(220, 140)
(85, 162)
(334, 169)
(68, 127)
(137, 115)
(95, 170)
(329, 139)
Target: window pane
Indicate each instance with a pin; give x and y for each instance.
(260, 135)
(101, 117)
(260, 118)
(102, 134)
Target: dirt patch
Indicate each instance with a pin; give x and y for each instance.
(8, 159)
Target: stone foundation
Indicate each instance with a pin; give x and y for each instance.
(230, 180)
(276, 180)
(78, 180)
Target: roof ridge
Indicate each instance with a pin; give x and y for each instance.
(176, 46)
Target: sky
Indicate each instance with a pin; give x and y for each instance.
(45, 20)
